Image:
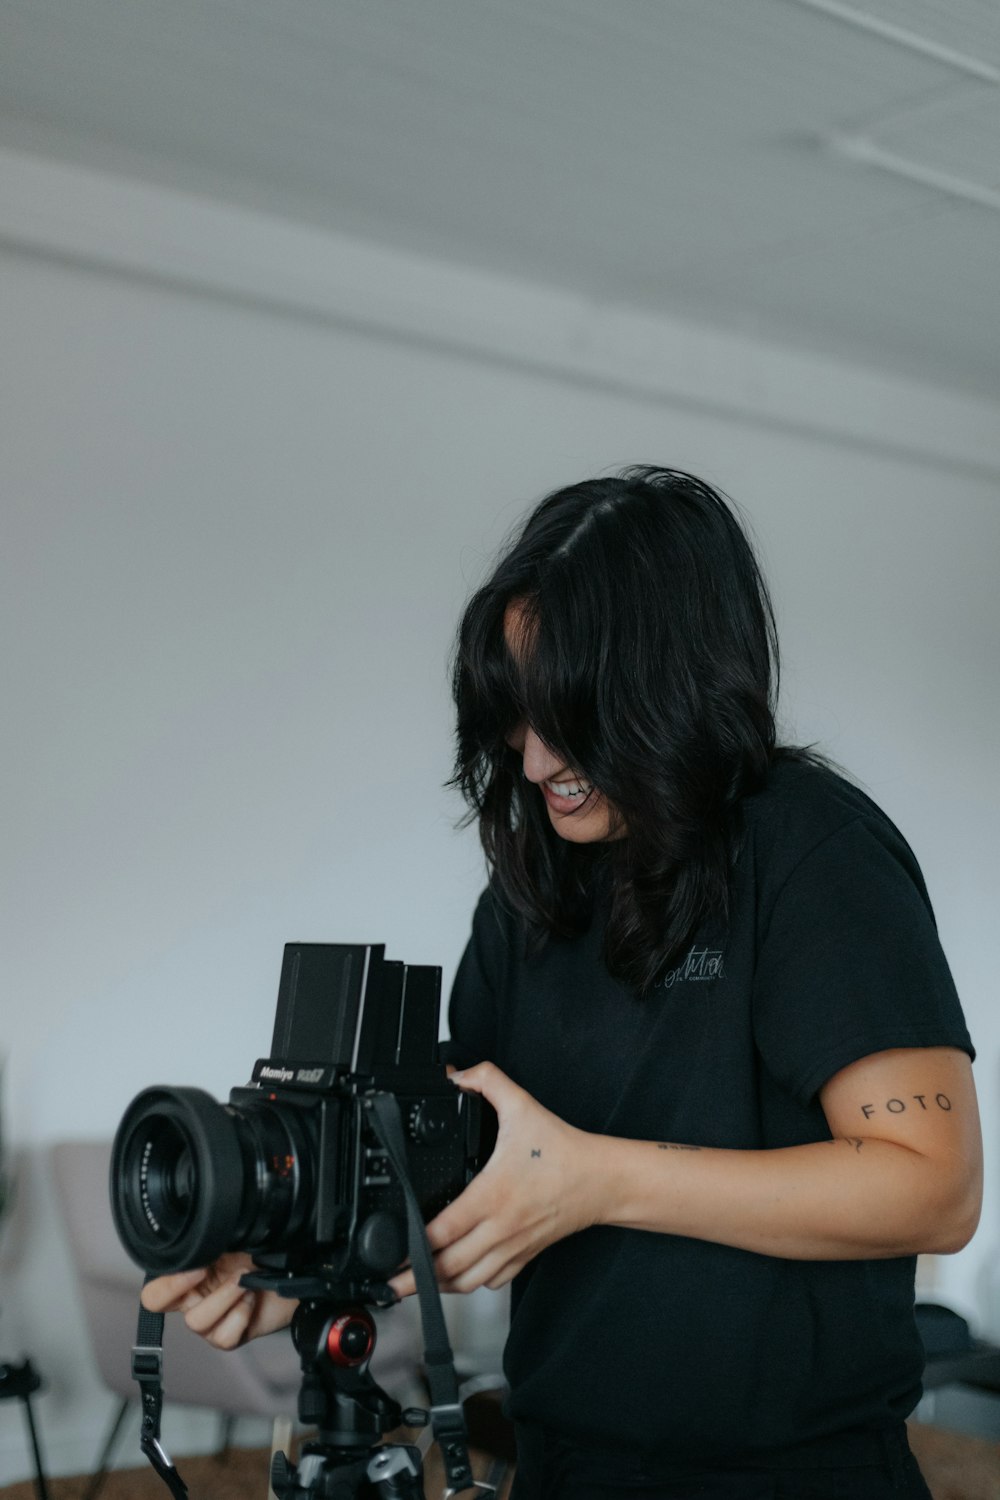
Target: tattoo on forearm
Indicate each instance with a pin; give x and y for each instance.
(899, 1106)
(670, 1146)
(534, 1152)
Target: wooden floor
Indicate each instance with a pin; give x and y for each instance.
(241, 1476)
(956, 1468)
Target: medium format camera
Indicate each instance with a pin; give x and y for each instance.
(291, 1170)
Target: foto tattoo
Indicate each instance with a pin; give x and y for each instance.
(534, 1152)
(898, 1106)
(669, 1146)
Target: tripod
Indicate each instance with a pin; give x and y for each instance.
(335, 1342)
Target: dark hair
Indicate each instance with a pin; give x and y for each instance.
(652, 668)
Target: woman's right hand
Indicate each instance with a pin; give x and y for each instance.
(216, 1306)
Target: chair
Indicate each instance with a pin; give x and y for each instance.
(259, 1380)
(954, 1357)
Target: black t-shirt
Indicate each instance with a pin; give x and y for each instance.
(630, 1338)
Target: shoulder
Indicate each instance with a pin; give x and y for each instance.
(847, 960)
(493, 915)
(497, 932)
(806, 806)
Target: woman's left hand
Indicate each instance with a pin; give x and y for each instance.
(537, 1187)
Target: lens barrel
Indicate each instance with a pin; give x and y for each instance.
(191, 1178)
(177, 1179)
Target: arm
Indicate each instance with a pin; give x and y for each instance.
(893, 1181)
(903, 1174)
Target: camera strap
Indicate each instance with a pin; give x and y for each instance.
(447, 1416)
(147, 1369)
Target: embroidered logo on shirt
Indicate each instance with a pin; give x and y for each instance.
(700, 964)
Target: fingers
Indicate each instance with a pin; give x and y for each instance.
(470, 1208)
(215, 1305)
(404, 1285)
(475, 1260)
(270, 1312)
(495, 1279)
(486, 1272)
(451, 1226)
(481, 1259)
(169, 1293)
(487, 1079)
(493, 1270)
(223, 1315)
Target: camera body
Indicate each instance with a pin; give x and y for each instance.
(291, 1170)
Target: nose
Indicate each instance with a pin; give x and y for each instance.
(540, 763)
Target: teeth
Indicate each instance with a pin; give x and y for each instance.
(569, 789)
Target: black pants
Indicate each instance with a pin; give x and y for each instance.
(854, 1466)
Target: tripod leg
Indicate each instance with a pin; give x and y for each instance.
(104, 1462)
(40, 1485)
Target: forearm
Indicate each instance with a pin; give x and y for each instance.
(850, 1198)
(833, 1200)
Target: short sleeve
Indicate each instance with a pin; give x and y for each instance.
(849, 962)
(477, 989)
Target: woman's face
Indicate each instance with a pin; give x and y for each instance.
(577, 811)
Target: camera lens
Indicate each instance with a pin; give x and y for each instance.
(176, 1179)
(191, 1178)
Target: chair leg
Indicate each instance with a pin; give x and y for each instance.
(281, 1442)
(227, 1422)
(41, 1488)
(22, 1381)
(103, 1463)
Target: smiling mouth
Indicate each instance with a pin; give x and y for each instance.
(570, 792)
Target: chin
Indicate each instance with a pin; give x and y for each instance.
(593, 827)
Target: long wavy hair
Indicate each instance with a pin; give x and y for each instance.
(652, 669)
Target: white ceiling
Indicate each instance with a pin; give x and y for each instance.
(824, 174)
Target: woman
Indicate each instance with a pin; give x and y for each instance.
(705, 994)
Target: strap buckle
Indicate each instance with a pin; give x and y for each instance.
(147, 1363)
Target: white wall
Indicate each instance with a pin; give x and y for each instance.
(239, 519)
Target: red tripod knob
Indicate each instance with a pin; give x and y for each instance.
(350, 1338)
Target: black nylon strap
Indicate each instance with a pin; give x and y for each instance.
(147, 1369)
(447, 1417)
